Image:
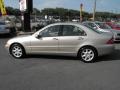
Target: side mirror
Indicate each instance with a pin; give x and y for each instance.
(38, 36)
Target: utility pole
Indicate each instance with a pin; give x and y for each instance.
(94, 10)
(26, 8)
(68, 16)
(81, 11)
(27, 25)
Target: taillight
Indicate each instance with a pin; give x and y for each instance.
(111, 41)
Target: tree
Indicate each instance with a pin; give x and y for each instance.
(64, 14)
(13, 11)
(36, 11)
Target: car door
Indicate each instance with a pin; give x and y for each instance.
(72, 37)
(48, 42)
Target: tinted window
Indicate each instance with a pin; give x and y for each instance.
(69, 30)
(50, 31)
(91, 28)
(103, 26)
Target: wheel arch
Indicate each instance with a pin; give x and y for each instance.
(18, 44)
(88, 46)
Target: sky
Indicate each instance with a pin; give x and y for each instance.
(102, 5)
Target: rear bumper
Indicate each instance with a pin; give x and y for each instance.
(105, 49)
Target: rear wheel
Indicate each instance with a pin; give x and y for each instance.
(17, 51)
(87, 54)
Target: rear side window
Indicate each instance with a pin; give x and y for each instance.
(91, 28)
(70, 30)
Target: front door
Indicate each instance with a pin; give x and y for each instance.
(48, 42)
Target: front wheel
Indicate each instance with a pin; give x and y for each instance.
(87, 54)
(17, 51)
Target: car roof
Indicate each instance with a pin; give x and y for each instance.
(66, 23)
(78, 23)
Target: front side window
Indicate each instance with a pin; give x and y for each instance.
(91, 28)
(69, 30)
(50, 31)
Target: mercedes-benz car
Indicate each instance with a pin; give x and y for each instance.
(71, 39)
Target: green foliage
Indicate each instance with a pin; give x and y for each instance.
(63, 13)
(36, 11)
(12, 11)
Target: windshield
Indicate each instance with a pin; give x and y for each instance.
(103, 26)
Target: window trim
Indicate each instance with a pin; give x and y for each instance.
(50, 27)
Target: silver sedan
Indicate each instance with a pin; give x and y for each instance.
(71, 39)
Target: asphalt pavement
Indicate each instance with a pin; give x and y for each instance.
(39, 72)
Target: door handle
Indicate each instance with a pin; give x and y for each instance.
(80, 38)
(55, 38)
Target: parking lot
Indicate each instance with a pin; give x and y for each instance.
(38, 72)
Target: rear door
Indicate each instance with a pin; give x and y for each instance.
(72, 37)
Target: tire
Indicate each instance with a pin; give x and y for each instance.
(87, 54)
(17, 51)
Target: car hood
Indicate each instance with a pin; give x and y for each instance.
(20, 39)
